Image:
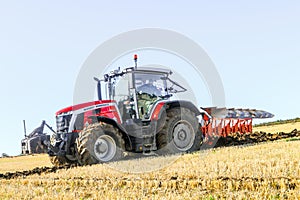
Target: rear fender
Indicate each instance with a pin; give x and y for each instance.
(183, 104)
(159, 114)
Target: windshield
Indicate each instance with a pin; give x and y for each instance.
(152, 84)
(136, 93)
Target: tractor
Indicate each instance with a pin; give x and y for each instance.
(137, 116)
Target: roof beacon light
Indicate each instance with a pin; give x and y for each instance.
(135, 57)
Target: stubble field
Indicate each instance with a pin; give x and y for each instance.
(268, 170)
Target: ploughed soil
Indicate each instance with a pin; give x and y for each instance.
(252, 138)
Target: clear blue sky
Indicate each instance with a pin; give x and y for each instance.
(254, 45)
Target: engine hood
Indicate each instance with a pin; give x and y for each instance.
(80, 106)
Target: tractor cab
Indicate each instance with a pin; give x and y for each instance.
(136, 91)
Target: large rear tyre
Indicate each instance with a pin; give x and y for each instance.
(181, 132)
(99, 143)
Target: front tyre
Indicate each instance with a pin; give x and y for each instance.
(99, 143)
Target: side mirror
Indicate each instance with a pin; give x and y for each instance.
(96, 79)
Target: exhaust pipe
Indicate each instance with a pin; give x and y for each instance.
(24, 124)
(98, 88)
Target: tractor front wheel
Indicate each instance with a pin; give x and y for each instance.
(99, 143)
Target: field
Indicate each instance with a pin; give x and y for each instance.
(274, 128)
(21, 163)
(268, 170)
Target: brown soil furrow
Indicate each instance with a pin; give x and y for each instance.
(252, 138)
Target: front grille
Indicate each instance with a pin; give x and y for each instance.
(62, 123)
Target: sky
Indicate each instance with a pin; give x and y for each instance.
(254, 45)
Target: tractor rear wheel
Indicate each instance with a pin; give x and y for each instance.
(181, 132)
(99, 143)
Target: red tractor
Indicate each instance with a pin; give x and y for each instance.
(137, 116)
